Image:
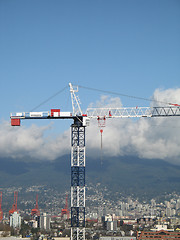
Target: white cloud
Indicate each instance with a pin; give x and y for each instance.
(146, 137)
(164, 97)
(107, 101)
(21, 142)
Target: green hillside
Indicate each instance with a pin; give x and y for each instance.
(128, 175)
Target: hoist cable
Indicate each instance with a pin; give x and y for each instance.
(124, 95)
(48, 99)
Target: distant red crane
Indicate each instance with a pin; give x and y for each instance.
(36, 211)
(65, 211)
(1, 212)
(14, 206)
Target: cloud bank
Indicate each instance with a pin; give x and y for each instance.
(22, 142)
(145, 137)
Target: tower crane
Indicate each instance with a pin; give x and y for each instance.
(14, 206)
(65, 211)
(35, 211)
(80, 122)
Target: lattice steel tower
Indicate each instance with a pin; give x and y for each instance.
(77, 169)
(77, 180)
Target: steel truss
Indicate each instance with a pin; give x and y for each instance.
(133, 112)
(77, 181)
(165, 111)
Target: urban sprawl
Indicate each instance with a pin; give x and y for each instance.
(39, 212)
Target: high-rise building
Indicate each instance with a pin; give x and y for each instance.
(111, 225)
(45, 221)
(15, 220)
(178, 204)
(153, 203)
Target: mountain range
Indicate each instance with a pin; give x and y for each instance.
(128, 175)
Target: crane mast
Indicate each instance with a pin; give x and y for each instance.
(78, 180)
(80, 121)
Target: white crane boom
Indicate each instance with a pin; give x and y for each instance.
(132, 112)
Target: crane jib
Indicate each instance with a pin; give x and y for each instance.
(135, 112)
(166, 111)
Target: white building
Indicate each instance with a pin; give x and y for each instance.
(118, 238)
(45, 221)
(112, 225)
(15, 220)
(161, 227)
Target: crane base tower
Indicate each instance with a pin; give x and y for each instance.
(77, 180)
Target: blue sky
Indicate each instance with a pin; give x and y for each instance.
(126, 46)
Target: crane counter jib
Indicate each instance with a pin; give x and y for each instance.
(53, 114)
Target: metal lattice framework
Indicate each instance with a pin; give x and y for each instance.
(132, 112)
(75, 101)
(165, 111)
(77, 181)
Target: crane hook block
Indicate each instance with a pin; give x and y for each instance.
(15, 122)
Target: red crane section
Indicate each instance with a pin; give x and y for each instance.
(65, 211)
(14, 206)
(1, 212)
(36, 211)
